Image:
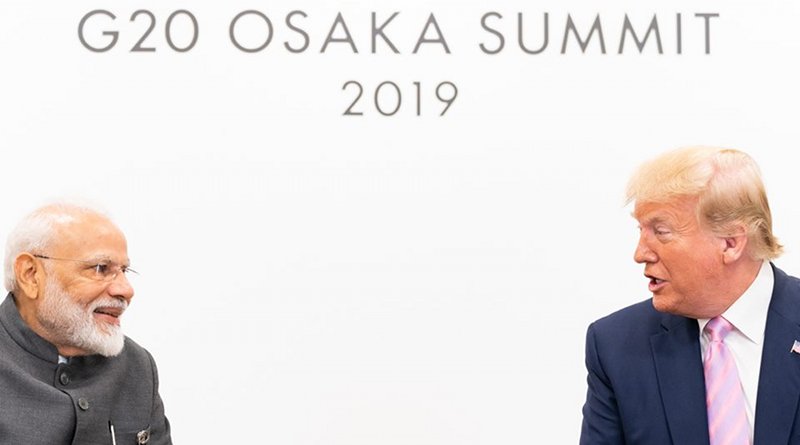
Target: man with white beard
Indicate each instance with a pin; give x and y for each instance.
(67, 373)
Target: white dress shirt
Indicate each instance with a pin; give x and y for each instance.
(748, 315)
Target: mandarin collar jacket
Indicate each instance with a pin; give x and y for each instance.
(43, 402)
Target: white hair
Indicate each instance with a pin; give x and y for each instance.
(68, 323)
(36, 231)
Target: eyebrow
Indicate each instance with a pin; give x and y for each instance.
(102, 258)
(656, 219)
(99, 257)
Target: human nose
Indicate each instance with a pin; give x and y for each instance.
(121, 287)
(643, 252)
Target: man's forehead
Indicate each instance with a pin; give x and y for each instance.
(90, 235)
(83, 225)
(652, 212)
(649, 212)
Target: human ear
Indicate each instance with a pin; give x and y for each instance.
(735, 246)
(29, 275)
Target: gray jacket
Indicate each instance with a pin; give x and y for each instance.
(43, 402)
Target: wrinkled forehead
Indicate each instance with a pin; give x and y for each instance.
(88, 236)
(677, 210)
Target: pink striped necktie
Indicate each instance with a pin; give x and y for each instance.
(727, 415)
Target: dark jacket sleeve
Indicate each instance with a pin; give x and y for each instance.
(159, 425)
(601, 420)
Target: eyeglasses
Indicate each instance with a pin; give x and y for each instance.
(99, 270)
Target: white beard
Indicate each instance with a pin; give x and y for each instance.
(68, 323)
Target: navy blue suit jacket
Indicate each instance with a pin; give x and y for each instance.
(646, 383)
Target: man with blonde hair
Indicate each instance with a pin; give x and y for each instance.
(714, 356)
(67, 373)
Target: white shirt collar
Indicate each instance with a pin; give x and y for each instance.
(748, 313)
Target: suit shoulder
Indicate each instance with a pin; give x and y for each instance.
(636, 319)
(642, 311)
(786, 282)
(786, 295)
(134, 352)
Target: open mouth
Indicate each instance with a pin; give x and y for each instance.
(108, 314)
(655, 284)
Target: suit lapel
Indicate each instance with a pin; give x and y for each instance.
(679, 370)
(779, 380)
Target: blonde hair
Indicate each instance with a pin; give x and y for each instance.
(727, 184)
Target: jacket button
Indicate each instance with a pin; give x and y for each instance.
(143, 437)
(83, 403)
(64, 379)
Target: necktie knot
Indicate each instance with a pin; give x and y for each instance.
(717, 328)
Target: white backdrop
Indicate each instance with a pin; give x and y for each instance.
(313, 278)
